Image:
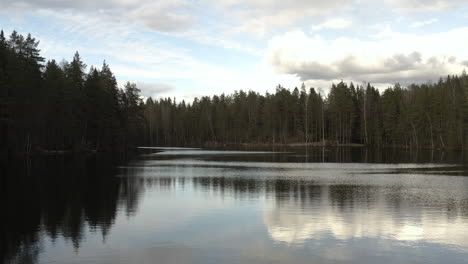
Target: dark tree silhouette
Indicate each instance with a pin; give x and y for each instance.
(47, 107)
(419, 116)
(59, 108)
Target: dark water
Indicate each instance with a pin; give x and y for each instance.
(199, 206)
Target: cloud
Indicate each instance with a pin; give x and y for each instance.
(122, 32)
(161, 15)
(423, 23)
(257, 17)
(424, 5)
(391, 58)
(261, 16)
(335, 23)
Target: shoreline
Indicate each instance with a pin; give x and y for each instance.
(319, 145)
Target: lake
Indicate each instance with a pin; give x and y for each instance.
(176, 205)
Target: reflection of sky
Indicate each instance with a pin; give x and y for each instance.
(197, 211)
(379, 219)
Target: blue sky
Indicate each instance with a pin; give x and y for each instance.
(188, 48)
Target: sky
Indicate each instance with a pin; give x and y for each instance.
(191, 48)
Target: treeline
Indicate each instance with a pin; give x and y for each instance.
(419, 116)
(47, 106)
(50, 106)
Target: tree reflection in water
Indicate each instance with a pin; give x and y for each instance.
(59, 197)
(296, 204)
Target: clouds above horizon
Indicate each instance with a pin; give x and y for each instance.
(252, 16)
(401, 58)
(191, 48)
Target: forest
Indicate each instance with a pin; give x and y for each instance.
(419, 116)
(63, 107)
(59, 107)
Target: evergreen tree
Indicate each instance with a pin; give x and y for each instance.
(63, 108)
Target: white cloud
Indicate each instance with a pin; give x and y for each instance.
(335, 23)
(424, 5)
(259, 17)
(393, 58)
(161, 15)
(262, 16)
(117, 30)
(423, 23)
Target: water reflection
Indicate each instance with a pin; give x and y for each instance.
(231, 208)
(350, 212)
(59, 197)
(345, 200)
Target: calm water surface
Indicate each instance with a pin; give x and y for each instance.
(201, 206)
